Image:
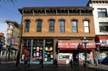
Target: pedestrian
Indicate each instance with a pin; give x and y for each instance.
(26, 57)
(71, 63)
(55, 62)
(41, 62)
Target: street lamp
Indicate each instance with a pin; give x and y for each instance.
(85, 41)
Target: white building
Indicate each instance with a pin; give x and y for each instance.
(100, 14)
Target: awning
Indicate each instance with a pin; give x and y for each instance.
(68, 44)
(89, 45)
(75, 45)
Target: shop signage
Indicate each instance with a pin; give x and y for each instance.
(66, 44)
(71, 44)
(104, 42)
(89, 45)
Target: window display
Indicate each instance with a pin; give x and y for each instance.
(48, 52)
(37, 50)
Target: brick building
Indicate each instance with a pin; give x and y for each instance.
(56, 33)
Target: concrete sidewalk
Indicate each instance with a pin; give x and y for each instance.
(99, 66)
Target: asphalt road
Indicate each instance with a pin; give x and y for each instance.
(22, 67)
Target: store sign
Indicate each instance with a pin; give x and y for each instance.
(104, 42)
(66, 44)
(89, 45)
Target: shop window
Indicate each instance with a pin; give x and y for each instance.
(39, 25)
(102, 12)
(27, 25)
(62, 25)
(37, 50)
(86, 26)
(51, 25)
(48, 54)
(74, 26)
(103, 26)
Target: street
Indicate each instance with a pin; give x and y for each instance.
(38, 67)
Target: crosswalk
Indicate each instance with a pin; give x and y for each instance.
(6, 55)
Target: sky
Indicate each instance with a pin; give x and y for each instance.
(9, 10)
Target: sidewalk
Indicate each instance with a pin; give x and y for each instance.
(99, 66)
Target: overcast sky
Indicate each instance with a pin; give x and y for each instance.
(9, 10)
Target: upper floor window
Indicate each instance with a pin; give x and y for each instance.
(103, 26)
(102, 12)
(86, 26)
(39, 25)
(27, 25)
(74, 26)
(62, 25)
(51, 25)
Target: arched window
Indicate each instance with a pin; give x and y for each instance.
(39, 25)
(62, 25)
(51, 25)
(86, 26)
(27, 25)
(74, 25)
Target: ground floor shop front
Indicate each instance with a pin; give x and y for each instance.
(64, 50)
(102, 49)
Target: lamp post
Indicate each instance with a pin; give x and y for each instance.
(85, 41)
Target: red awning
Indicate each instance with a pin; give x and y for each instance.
(89, 45)
(74, 45)
(68, 44)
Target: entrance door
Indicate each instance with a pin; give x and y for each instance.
(75, 57)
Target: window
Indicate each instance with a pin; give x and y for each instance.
(74, 26)
(62, 25)
(39, 25)
(102, 12)
(27, 25)
(51, 25)
(86, 26)
(103, 26)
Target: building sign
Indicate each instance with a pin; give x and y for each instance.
(74, 44)
(89, 45)
(104, 42)
(67, 44)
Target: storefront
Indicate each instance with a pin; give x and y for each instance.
(40, 50)
(102, 48)
(75, 50)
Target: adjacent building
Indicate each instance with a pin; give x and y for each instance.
(2, 40)
(13, 34)
(57, 33)
(100, 14)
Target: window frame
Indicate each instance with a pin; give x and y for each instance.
(86, 26)
(39, 25)
(102, 12)
(103, 24)
(51, 25)
(62, 25)
(27, 25)
(74, 26)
